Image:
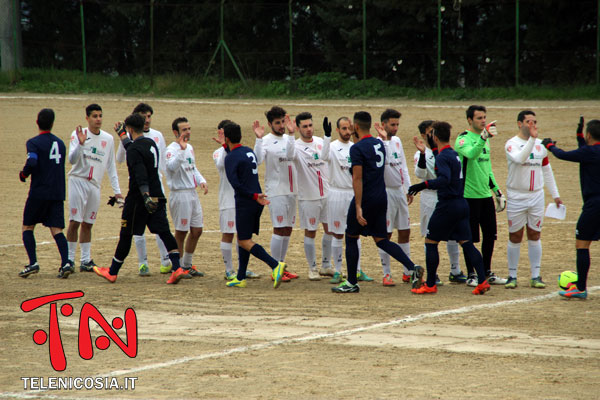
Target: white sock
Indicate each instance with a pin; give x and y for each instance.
(513, 252)
(276, 244)
(326, 250)
(359, 244)
(187, 259)
(311, 252)
(406, 249)
(337, 249)
(227, 256)
(72, 246)
(284, 247)
(534, 249)
(385, 262)
(140, 247)
(453, 254)
(86, 249)
(164, 254)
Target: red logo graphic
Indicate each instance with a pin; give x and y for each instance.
(293, 220)
(168, 155)
(230, 224)
(538, 147)
(509, 223)
(156, 139)
(312, 221)
(103, 143)
(461, 142)
(387, 222)
(183, 221)
(280, 218)
(85, 347)
(336, 224)
(73, 211)
(319, 147)
(509, 148)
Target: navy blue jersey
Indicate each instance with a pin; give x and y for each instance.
(142, 163)
(369, 153)
(449, 182)
(46, 165)
(242, 172)
(588, 158)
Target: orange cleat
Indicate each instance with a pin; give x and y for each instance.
(104, 272)
(424, 289)
(290, 275)
(176, 276)
(405, 278)
(387, 280)
(482, 288)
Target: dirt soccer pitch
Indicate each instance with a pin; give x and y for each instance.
(200, 339)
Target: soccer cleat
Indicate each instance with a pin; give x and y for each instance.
(438, 281)
(327, 271)
(537, 283)
(313, 275)
(284, 278)
(425, 289)
(193, 271)
(87, 266)
(472, 280)
(277, 274)
(417, 277)
(511, 283)
(165, 269)
(573, 293)
(405, 278)
(493, 279)
(290, 275)
(460, 278)
(235, 283)
(252, 275)
(104, 272)
(387, 280)
(29, 270)
(176, 276)
(337, 278)
(66, 270)
(346, 287)
(362, 276)
(144, 271)
(482, 288)
(230, 275)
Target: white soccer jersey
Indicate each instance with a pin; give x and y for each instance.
(396, 171)
(93, 158)
(311, 169)
(181, 168)
(337, 154)
(280, 171)
(159, 139)
(226, 192)
(428, 196)
(528, 166)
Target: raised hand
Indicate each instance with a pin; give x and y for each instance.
(259, 131)
(289, 124)
(380, 131)
(580, 126)
(81, 135)
(327, 127)
(419, 144)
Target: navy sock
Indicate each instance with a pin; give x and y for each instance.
(583, 266)
(470, 269)
(432, 259)
(174, 257)
(29, 242)
(487, 250)
(260, 253)
(63, 249)
(352, 258)
(115, 266)
(474, 257)
(243, 258)
(394, 250)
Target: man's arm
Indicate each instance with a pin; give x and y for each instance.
(76, 144)
(111, 168)
(174, 158)
(443, 175)
(469, 148)
(325, 156)
(357, 186)
(519, 156)
(231, 167)
(31, 163)
(138, 170)
(549, 180)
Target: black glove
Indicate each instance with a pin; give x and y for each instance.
(151, 206)
(327, 127)
(111, 201)
(414, 189)
(580, 126)
(547, 143)
(22, 177)
(121, 131)
(430, 141)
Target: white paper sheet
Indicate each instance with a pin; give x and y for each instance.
(559, 212)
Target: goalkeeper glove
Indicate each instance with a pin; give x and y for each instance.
(489, 130)
(151, 206)
(547, 143)
(416, 188)
(121, 131)
(500, 201)
(327, 127)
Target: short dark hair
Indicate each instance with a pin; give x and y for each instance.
(340, 119)
(424, 125)
(136, 121)
(143, 108)
(45, 119)
(223, 123)
(441, 130)
(471, 110)
(362, 119)
(302, 117)
(177, 121)
(522, 114)
(275, 112)
(593, 128)
(233, 132)
(390, 113)
(92, 107)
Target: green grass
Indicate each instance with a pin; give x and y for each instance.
(327, 85)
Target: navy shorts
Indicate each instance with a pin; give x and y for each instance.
(588, 225)
(449, 221)
(247, 219)
(135, 218)
(375, 214)
(51, 213)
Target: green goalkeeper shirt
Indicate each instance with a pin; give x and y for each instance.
(474, 155)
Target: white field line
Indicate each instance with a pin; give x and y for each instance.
(300, 339)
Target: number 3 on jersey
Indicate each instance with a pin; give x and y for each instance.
(55, 153)
(379, 154)
(251, 156)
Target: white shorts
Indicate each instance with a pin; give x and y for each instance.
(397, 210)
(312, 212)
(525, 208)
(227, 220)
(338, 202)
(283, 211)
(186, 210)
(84, 200)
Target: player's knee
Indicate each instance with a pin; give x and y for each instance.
(168, 240)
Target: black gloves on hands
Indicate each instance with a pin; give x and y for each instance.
(547, 143)
(580, 126)
(414, 189)
(327, 127)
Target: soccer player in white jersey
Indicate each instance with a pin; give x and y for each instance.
(140, 240)
(312, 198)
(92, 153)
(528, 171)
(425, 170)
(226, 207)
(276, 149)
(184, 205)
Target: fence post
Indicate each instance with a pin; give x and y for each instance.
(291, 41)
(151, 43)
(439, 46)
(15, 38)
(222, 41)
(598, 46)
(364, 29)
(517, 43)
(83, 39)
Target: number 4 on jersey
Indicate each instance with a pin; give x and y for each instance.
(55, 153)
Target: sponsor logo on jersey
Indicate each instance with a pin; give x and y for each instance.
(461, 142)
(538, 147)
(103, 143)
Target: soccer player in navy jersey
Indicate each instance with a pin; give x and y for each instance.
(450, 219)
(588, 225)
(242, 172)
(45, 203)
(367, 211)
